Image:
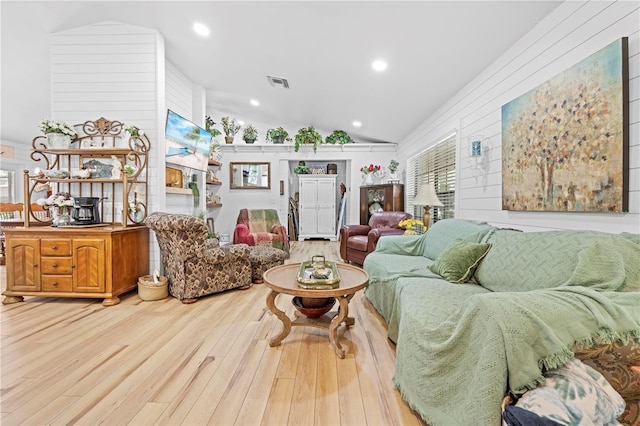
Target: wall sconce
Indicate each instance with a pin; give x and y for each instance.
(475, 145)
(476, 148)
(479, 157)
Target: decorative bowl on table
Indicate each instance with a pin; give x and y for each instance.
(313, 307)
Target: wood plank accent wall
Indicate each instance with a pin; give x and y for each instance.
(572, 32)
(111, 70)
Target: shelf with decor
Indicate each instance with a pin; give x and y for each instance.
(213, 200)
(87, 251)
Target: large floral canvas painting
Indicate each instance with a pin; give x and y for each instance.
(565, 143)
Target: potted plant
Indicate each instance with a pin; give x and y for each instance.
(250, 134)
(230, 128)
(278, 135)
(393, 167)
(308, 136)
(302, 168)
(58, 133)
(340, 137)
(208, 124)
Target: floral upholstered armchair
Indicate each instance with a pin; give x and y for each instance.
(195, 265)
(261, 227)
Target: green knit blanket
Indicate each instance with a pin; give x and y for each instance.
(455, 371)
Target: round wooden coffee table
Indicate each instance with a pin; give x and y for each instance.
(282, 279)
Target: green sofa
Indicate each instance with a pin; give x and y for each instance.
(532, 302)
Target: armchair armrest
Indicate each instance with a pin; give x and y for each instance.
(350, 230)
(226, 253)
(614, 361)
(411, 245)
(279, 229)
(375, 234)
(241, 235)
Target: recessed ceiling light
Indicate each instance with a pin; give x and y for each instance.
(379, 65)
(254, 102)
(240, 122)
(357, 123)
(201, 29)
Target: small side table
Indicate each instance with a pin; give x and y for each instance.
(282, 280)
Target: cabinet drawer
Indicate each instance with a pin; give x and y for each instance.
(55, 247)
(55, 265)
(56, 283)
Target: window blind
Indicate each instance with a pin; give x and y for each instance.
(436, 165)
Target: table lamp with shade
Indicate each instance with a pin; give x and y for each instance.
(426, 197)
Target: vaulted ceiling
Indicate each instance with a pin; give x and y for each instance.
(323, 48)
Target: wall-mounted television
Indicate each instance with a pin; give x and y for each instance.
(187, 144)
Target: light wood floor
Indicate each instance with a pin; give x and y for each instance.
(67, 361)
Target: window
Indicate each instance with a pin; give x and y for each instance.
(436, 165)
(7, 186)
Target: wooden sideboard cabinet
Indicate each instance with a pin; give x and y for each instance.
(100, 262)
(383, 197)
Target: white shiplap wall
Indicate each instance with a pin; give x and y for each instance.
(111, 70)
(571, 33)
(179, 99)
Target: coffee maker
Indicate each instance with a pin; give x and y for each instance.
(86, 211)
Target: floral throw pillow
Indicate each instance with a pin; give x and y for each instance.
(575, 395)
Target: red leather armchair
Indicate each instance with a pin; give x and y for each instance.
(357, 241)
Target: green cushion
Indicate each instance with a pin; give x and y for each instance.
(443, 232)
(459, 260)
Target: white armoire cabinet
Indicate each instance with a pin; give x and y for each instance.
(317, 207)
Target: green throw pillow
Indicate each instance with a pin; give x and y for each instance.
(459, 260)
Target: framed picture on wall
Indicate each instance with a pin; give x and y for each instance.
(565, 143)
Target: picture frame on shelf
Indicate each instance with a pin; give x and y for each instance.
(173, 178)
(99, 169)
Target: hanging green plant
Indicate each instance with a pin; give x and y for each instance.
(308, 136)
(339, 137)
(278, 135)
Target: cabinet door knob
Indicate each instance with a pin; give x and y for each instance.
(55, 284)
(35, 265)
(55, 265)
(54, 247)
(73, 266)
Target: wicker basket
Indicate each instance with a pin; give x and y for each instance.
(148, 290)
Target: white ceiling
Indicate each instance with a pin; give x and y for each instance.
(324, 49)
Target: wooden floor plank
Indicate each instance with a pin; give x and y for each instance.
(74, 361)
(213, 392)
(149, 414)
(255, 403)
(279, 403)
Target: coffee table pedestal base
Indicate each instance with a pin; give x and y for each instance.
(324, 322)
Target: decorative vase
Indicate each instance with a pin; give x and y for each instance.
(63, 217)
(393, 176)
(377, 177)
(58, 140)
(278, 140)
(249, 140)
(228, 139)
(368, 179)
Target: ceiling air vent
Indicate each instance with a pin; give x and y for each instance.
(278, 82)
